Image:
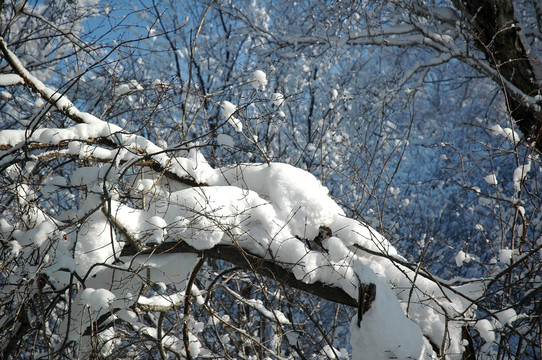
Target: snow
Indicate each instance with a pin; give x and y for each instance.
(506, 255)
(277, 99)
(228, 109)
(127, 88)
(115, 288)
(236, 123)
(15, 248)
(90, 175)
(96, 243)
(193, 166)
(89, 126)
(461, 258)
(66, 263)
(5, 95)
(260, 79)
(80, 251)
(508, 133)
(267, 209)
(10, 79)
(270, 210)
(507, 316)
(491, 179)
(329, 352)
(225, 140)
(41, 233)
(52, 184)
(6, 228)
(520, 174)
(385, 332)
(272, 315)
(155, 230)
(161, 300)
(97, 299)
(55, 136)
(486, 330)
(304, 202)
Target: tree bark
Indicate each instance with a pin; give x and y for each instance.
(266, 267)
(498, 37)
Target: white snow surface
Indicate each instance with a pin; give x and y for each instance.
(267, 209)
(507, 316)
(10, 79)
(507, 132)
(277, 99)
(486, 330)
(461, 258)
(97, 298)
(491, 179)
(506, 256)
(520, 173)
(228, 109)
(225, 140)
(129, 87)
(260, 79)
(385, 333)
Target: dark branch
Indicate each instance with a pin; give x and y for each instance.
(266, 267)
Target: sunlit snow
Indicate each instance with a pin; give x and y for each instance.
(228, 109)
(260, 79)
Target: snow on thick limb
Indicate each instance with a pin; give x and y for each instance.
(271, 210)
(384, 332)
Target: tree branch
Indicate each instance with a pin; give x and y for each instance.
(266, 267)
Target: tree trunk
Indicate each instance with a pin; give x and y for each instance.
(498, 37)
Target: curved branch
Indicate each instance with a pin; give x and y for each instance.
(266, 267)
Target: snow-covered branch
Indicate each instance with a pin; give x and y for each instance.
(261, 265)
(215, 245)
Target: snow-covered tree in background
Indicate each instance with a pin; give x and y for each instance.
(157, 196)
